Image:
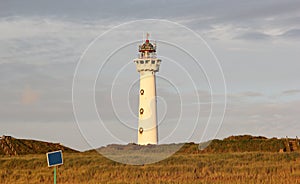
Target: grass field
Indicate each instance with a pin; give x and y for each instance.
(90, 167)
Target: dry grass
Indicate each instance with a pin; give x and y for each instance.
(251, 167)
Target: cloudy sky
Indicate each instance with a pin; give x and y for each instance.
(257, 44)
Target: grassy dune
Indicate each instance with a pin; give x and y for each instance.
(90, 167)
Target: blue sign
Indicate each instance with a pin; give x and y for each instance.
(54, 158)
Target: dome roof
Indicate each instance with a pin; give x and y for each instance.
(147, 46)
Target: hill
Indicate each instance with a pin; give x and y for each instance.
(246, 143)
(239, 143)
(140, 155)
(12, 146)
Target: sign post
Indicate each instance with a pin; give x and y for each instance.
(54, 174)
(54, 159)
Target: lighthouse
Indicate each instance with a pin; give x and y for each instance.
(147, 64)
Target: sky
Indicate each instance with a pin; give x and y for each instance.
(44, 44)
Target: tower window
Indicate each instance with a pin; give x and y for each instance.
(153, 62)
(141, 111)
(142, 92)
(141, 130)
(147, 61)
(142, 61)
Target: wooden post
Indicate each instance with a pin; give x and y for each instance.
(288, 149)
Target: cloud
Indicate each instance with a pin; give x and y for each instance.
(292, 33)
(246, 96)
(258, 17)
(41, 43)
(277, 119)
(29, 96)
(250, 94)
(253, 36)
(291, 92)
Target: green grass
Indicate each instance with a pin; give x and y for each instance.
(90, 167)
(236, 159)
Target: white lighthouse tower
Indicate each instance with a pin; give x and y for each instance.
(147, 64)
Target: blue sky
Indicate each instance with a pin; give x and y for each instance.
(257, 44)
